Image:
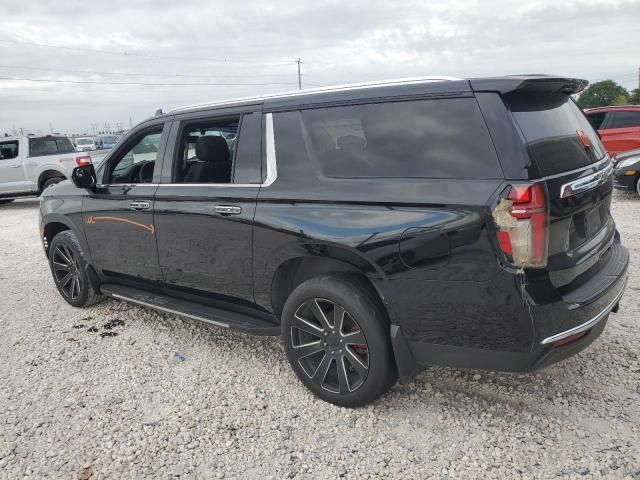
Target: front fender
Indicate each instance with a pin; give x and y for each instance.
(62, 204)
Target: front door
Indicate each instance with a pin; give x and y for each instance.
(118, 215)
(204, 210)
(12, 177)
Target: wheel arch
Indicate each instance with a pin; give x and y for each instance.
(47, 174)
(296, 270)
(53, 224)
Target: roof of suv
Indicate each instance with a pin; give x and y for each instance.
(400, 87)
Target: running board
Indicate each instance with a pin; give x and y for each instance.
(184, 308)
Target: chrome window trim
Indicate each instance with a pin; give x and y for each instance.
(101, 185)
(272, 168)
(584, 184)
(589, 324)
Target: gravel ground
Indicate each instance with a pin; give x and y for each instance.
(167, 398)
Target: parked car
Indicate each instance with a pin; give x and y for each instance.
(626, 171)
(85, 144)
(106, 141)
(619, 127)
(376, 228)
(30, 164)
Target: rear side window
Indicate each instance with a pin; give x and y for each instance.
(41, 146)
(625, 119)
(8, 150)
(445, 138)
(552, 126)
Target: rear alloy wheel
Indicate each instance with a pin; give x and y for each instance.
(329, 346)
(336, 336)
(69, 270)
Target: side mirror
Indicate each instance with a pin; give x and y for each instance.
(84, 176)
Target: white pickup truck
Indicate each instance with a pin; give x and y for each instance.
(31, 163)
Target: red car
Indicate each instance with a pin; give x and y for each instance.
(619, 127)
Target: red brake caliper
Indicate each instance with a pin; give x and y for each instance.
(360, 348)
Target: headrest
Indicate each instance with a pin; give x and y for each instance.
(350, 142)
(212, 149)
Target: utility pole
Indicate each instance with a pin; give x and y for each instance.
(130, 125)
(299, 75)
(50, 127)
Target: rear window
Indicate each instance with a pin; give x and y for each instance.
(41, 146)
(551, 126)
(8, 150)
(445, 138)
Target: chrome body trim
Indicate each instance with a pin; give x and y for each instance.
(589, 324)
(586, 183)
(167, 310)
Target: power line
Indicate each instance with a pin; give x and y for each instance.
(138, 74)
(144, 55)
(44, 80)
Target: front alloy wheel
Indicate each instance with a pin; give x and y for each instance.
(66, 271)
(329, 346)
(70, 271)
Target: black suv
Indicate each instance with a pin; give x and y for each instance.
(376, 228)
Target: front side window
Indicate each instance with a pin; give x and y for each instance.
(206, 152)
(8, 150)
(49, 145)
(136, 165)
(625, 119)
(444, 138)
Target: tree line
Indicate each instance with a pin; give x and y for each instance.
(608, 92)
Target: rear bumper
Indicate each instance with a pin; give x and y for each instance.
(555, 323)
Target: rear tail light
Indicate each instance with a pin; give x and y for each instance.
(83, 161)
(521, 218)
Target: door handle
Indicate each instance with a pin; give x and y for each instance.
(228, 209)
(140, 205)
(14, 166)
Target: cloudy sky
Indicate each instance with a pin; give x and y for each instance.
(125, 59)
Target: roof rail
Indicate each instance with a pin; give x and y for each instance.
(311, 91)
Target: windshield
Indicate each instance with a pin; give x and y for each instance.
(84, 141)
(558, 134)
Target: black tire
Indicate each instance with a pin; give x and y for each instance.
(368, 369)
(51, 181)
(2, 202)
(68, 267)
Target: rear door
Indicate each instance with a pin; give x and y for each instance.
(12, 176)
(567, 156)
(622, 131)
(206, 203)
(118, 215)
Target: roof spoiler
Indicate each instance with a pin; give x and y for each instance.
(529, 84)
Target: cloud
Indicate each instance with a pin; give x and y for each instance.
(257, 42)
